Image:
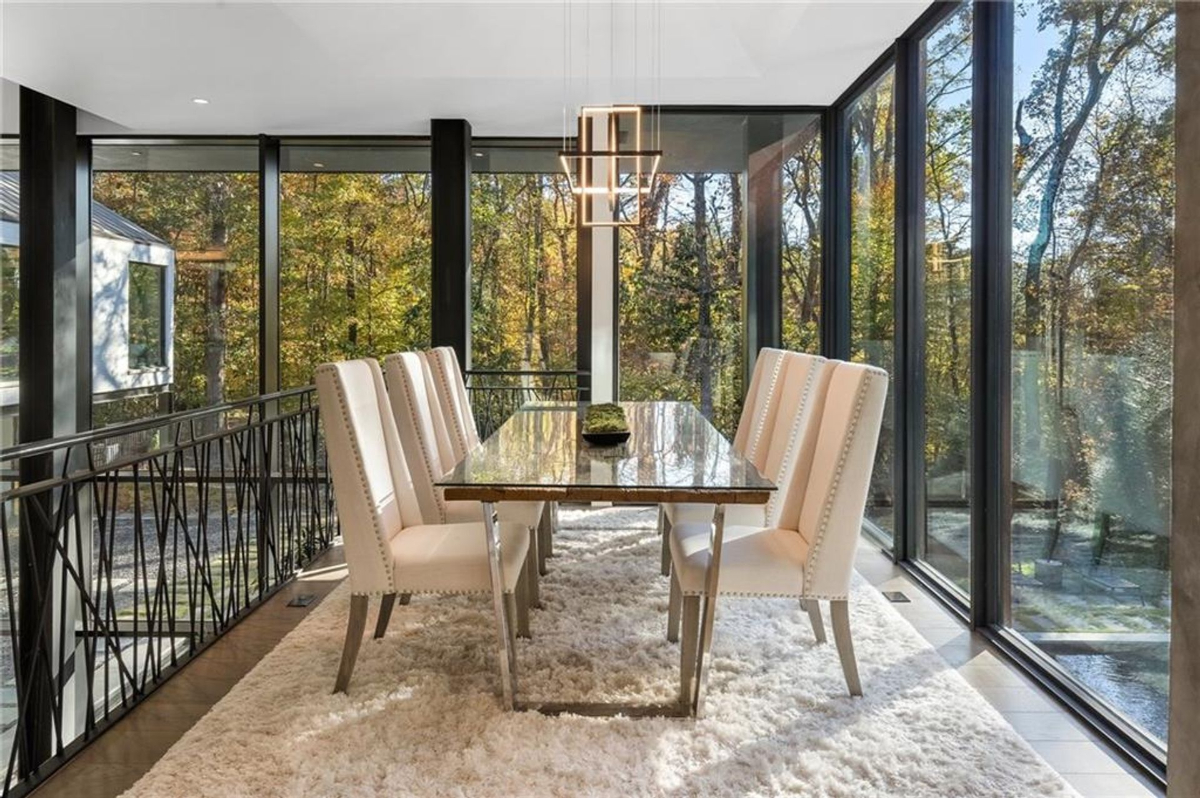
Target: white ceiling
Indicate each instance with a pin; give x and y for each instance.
(388, 68)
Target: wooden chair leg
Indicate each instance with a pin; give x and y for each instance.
(523, 598)
(354, 633)
(673, 607)
(690, 648)
(814, 616)
(840, 612)
(385, 614)
(664, 527)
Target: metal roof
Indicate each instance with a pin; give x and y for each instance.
(106, 222)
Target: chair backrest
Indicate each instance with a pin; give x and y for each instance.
(792, 435)
(370, 478)
(452, 396)
(412, 406)
(759, 406)
(830, 515)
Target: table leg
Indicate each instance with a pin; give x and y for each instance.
(716, 538)
(508, 655)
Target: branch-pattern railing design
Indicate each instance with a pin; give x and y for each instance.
(496, 395)
(127, 550)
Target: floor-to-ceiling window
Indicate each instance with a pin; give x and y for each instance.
(1093, 221)
(10, 256)
(192, 209)
(945, 52)
(682, 270)
(801, 245)
(523, 258)
(871, 124)
(354, 252)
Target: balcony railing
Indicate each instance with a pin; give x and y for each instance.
(129, 549)
(496, 395)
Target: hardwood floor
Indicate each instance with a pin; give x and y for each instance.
(120, 757)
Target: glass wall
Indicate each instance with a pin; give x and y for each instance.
(523, 258)
(1093, 222)
(871, 122)
(10, 256)
(354, 253)
(682, 270)
(191, 210)
(946, 78)
(801, 246)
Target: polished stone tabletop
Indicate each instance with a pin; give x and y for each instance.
(673, 454)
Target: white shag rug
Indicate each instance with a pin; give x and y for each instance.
(421, 717)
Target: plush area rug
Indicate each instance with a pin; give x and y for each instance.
(421, 717)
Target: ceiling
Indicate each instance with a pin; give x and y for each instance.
(388, 68)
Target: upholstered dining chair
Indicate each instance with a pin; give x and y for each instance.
(807, 550)
(454, 411)
(754, 438)
(389, 548)
(411, 394)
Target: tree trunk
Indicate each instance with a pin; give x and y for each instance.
(218, 290)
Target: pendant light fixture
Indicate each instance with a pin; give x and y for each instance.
(617, 146)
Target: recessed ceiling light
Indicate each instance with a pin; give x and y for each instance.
(479, 155)
(318, 165)
(135, 152)
(199, 101)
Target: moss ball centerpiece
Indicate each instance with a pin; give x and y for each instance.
(605, 425)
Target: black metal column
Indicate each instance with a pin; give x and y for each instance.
(835, 234)
(268, 264)
(762, 319)
(55, 372)
(583, 308)
(909, 386)
(451, 178)
(991, 311)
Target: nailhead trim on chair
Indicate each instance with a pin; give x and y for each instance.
(439, 367)
(362, 474)
(815, 552)
(762, 421)
(793, 437)
(424, 444)
(426, 592)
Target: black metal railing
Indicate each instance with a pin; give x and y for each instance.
(496, 395)
(128, 549)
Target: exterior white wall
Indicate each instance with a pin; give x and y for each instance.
(110, 315)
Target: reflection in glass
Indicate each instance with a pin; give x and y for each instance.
(801, 245)
(872, 124)
(146, 316)
(1093, 223)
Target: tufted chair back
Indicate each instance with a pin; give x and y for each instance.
(370, 478)
(830, 515)
(412, 405)
(793, 437)
(452, 397)
(759, 408)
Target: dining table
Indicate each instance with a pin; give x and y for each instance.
(673, 454)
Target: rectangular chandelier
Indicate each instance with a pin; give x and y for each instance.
(609, 165)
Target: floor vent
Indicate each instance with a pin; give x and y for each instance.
(895, 596)
(304, 599)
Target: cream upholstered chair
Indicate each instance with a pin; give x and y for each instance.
(454, 411)
(808, 550)
(421, 425)
(389, 549)
(753, 439)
